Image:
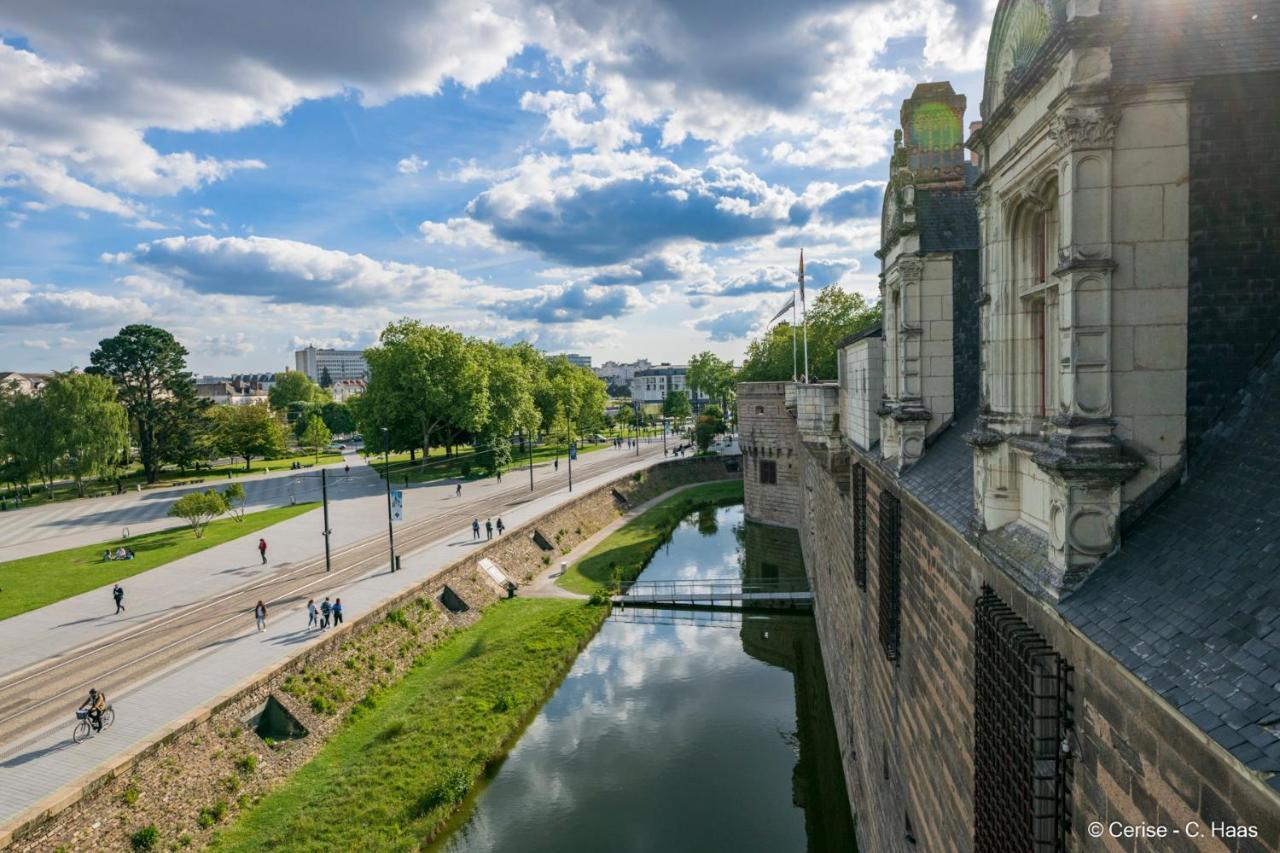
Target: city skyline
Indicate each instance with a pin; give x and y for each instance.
(590, 180)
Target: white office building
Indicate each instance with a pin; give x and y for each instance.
(341, 364)
(653, 384)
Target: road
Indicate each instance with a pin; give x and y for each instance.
(88, 521)
(44, 690)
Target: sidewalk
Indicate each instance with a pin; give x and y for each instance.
(39, 768)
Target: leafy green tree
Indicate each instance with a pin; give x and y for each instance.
(711, 377)
(90, 426)
(316, 436)
(149, 368)
(676, 405)
(511, 405)
(326, 380)
(575, 390)
(248, 431)
(426, 383)
(833, 316)
(338, 417)
(704, 431)
(184, 433)
(199, 508)
(236, 500)
(294, 386)
(30, 433)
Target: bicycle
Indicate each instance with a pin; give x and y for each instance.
(84, 726)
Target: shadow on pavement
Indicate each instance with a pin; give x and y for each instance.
(19, 760)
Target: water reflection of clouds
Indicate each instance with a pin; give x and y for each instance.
(676, 717)
(640, 707)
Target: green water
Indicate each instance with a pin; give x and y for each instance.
(679, 731)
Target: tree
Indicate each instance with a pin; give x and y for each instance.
(236, 500)
(338, 417)
(326, 381)
(149, 368)
(199, 508)
(30, 437)
(712, 377)
(294, 386)
(426, 383)
(248, 431)
(704, 430)
(316, 436)
(575, 390)
(833, 316)
(511, 405)
(90, 427)
(676, 405)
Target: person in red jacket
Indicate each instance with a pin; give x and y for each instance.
(262, 550)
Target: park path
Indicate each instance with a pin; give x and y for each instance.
(40, 767)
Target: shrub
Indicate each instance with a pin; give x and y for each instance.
(504, 703)
(397, 617)
(323, 705)
(145, 838)
(231, 783)
(546, 559)
(248, 764)
(209, 815)
(130, 795)
(184, 840)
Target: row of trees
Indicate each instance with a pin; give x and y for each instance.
(137, 391)
(430, 386)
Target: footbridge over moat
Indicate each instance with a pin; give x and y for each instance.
(718, 594)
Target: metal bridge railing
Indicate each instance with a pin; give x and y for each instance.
(714, 587)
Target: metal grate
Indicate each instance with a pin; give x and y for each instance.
(890, 575)
(860, 526)
(768, 472)
(1022, 722)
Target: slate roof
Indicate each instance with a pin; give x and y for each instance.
(943, 478)
(1181, 39)
(1191, 602)
(947, 218)
(876, 331)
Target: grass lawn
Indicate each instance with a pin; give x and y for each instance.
(391, 776)
(107, 485)
(33, 582)
(629, 548)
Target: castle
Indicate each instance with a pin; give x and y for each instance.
(1040, 506)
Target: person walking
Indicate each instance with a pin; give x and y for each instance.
(260, 614)
(457, 491)
(325, 609)
(499, 475)
(346, 469)
(488, 528)
(556, 464)
(500, 526)
(118, 595)
(262, 550)
(337, 611)
(313, 615)
(475, 528)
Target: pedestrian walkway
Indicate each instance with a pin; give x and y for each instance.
(35, 771)
(88, 521)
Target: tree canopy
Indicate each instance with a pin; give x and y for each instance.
(248, 431)
(91, 429)
(676, 405)
(294, 386)
(149, 369)
(711, 376)
(834, 315)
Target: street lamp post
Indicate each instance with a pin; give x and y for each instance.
(568, 447)
(664, 435)
(636, 418)
(324, 498)
(529, 446)
(386, 474)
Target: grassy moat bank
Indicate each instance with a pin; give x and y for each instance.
(390, 778)
(627, 550)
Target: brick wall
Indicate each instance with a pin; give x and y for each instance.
(906, 730)
(1234, 294)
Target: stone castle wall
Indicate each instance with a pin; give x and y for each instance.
(906, 729)
(766, 433)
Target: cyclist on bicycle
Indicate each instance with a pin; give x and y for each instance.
(96, 704)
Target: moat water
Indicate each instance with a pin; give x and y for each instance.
(676, 730)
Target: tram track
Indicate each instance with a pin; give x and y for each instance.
(43, 691)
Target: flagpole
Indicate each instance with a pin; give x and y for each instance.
(804, 313)
(795, 370)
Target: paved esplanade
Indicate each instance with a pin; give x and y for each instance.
(188, 634)
(68, 524)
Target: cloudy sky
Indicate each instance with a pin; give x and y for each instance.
(623, 179)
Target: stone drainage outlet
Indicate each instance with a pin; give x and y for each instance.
(452, 601)
(272, 721)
